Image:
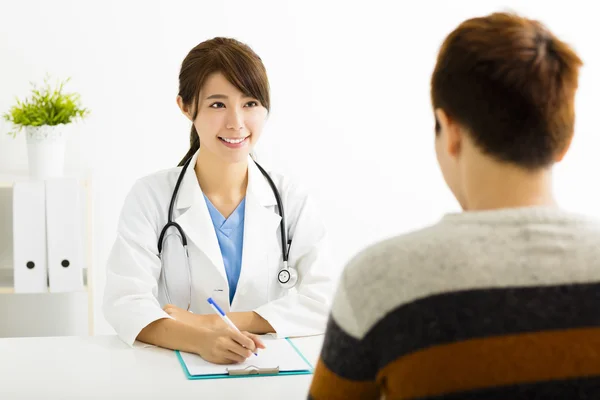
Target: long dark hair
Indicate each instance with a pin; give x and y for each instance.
(240, 65)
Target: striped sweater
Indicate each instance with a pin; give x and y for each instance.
(484, 305)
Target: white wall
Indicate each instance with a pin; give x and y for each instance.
(350, 94)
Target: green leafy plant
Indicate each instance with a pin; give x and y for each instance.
(46, 106)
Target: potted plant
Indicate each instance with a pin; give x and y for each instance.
(44, 116)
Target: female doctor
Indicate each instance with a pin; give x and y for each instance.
(212, 227)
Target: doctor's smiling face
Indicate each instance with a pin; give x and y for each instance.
(224, 91)
(228, 122)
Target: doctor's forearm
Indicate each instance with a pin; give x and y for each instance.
(251, 322)
(172, 334)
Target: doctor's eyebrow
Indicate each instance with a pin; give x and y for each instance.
(217, 96)
(223, 96)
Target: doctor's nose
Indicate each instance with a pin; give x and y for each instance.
(235, 121)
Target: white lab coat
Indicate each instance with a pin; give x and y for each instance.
(133, 296)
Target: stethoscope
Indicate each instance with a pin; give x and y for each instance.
(287, 277)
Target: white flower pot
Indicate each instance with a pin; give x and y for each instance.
(46, 151)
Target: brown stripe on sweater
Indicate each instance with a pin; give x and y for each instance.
(479, 313)
(494, 361)
(328, 386)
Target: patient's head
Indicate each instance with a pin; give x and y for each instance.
(503, 93)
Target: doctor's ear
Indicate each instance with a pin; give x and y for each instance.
(184, 108)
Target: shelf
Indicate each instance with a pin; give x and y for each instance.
(7, 281)
(8, 178)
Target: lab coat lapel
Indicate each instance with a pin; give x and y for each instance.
(260, 226)
(195, 219)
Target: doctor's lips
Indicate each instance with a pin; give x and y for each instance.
(234, 143)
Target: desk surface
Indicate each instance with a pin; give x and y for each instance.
(103, 367)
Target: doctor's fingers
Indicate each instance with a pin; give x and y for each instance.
(231, 345)
(257, 342)
(232, 357)
(241, 338)
(224, 357)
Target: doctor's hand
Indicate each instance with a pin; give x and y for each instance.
(227, 346)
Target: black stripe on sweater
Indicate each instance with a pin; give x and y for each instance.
(457, 316)
(348, 357)
(463, 315)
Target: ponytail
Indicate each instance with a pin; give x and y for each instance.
(194, 146)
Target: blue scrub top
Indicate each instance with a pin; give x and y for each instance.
(230, 234)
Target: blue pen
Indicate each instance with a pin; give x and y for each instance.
(224, 317)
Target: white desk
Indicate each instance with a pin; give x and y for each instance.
(103, 367)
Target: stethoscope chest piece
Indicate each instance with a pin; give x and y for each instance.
(287, 277)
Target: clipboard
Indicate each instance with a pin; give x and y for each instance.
(296, 363)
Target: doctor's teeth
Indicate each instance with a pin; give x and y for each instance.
(234, 140)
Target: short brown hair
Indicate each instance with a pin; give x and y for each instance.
(512, 84)
(240, 65)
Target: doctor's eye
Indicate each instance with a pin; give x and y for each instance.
(252, 103)
(217, 104)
